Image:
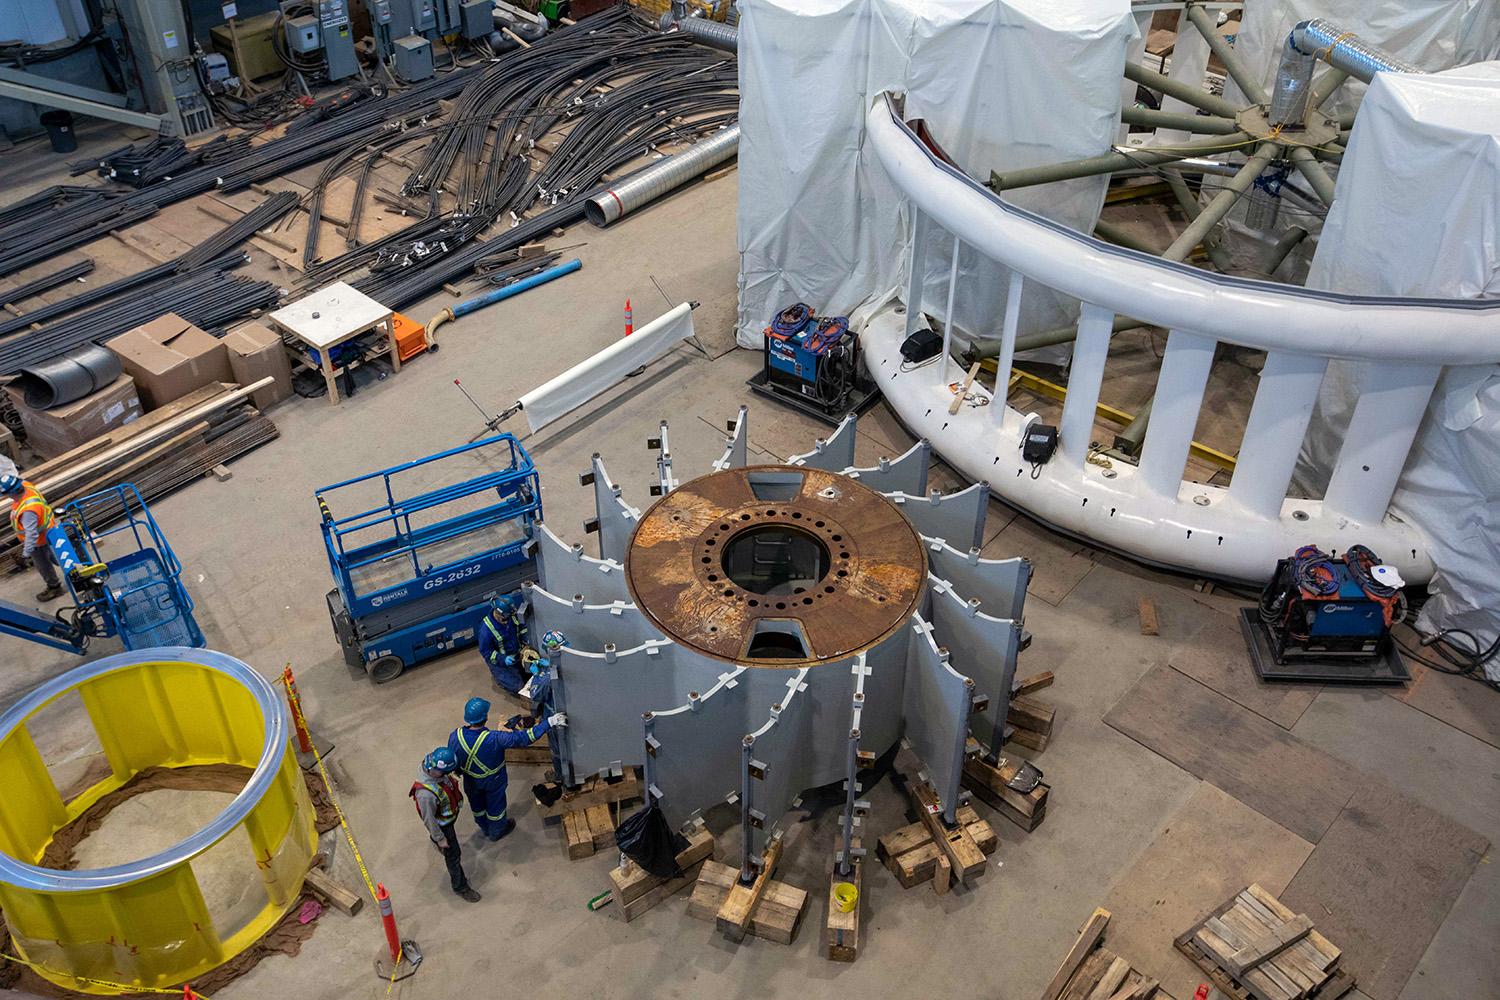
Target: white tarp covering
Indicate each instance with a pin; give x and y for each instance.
(1433, 34)
(1001, 83)
(1418, 213)
(590, 377)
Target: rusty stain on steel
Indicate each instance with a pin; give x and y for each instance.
(877, 564)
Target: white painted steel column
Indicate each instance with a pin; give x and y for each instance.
(918, 263)
(1273, 435)
(948, 313)
(1007, 356)
(1392, 401)
(1085, 376)
(1174, 414)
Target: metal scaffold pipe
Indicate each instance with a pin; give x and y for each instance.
(1110, 162)
(656, 180)
(1215, 211)
(1233, 64)
(1185, 92)
(1204, 124)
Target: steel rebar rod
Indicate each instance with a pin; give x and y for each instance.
(1110, 162)
(1233, 64)
(1185, 92)
(1205, 124)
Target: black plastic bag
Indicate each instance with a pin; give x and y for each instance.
(646, 839)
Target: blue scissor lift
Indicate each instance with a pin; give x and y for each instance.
(137, 595)
(433, 543)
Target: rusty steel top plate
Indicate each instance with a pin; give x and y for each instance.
(675, 571)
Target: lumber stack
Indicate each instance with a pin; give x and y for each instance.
(590, 830)
(1253, 946)
(634, 890)
(1090, 971)
(163, 451)
(914, 857)
(991, 784)
(766, 908)
(554, 800)
(1031, 717)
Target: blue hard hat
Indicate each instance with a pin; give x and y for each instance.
(10, 484)
(504, 604)
(442, 759)
(476, 710)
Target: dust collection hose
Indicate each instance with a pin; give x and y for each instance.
(498, 295)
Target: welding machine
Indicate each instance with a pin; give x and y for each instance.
(1328, 619)
(812, 364)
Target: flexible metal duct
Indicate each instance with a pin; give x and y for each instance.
(659, 178)
(711, 33)
(1318, 39)
(69, 377)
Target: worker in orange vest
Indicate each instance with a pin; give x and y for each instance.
(437, 797)
(31, 517)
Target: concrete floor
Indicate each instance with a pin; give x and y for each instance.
(1125, 829)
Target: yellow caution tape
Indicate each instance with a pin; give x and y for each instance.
(107, 984)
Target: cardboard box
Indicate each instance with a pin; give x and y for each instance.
(52, 432)
(256, 351)
(169, 358)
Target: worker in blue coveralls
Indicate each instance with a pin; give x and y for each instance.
(502, 637)
(481, 760)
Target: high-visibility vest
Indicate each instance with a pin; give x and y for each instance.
(471, 765)
(448, 798)
(31, 500)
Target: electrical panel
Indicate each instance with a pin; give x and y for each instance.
(477, 18)
(338, 39)
(413, 58)
(380, 11)
(302, 35)
(423, 17)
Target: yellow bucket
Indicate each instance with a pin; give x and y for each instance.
(845, 895)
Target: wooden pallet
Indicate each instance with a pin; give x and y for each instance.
(1254, 947)
(593, 791)
(770, 910)
(634, 890)
(912, 856)
(1090, 971)
(987, 782)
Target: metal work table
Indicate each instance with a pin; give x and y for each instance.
(331, 316)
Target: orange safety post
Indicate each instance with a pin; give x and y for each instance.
(629, 319)
(388, 918)
(294, 701)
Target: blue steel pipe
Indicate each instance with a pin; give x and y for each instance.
(499, 294)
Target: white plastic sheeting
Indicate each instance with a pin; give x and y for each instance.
(1434, 34)
(1418, 213)
(587, 379)
(1004, 83)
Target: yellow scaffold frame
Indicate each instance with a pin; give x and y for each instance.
(146, 923)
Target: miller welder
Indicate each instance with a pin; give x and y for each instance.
(1329, 619)
(812, 364)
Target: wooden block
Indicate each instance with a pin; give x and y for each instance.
(1033, 683)
(776, 915)
(714, 175)
(577, 838)
(1093, 929)
(1028, 713)
(910, 854)
(942, 876)
(601, 826)
(660, 892)
(734, 915)
(335, 893)
(594, 791)
(842, 937)
(636, 882)
(221, 473)
(532, 755)
(1148, 617)
(1028, 739)
(988, 785)
(968, 860)
(1113, 976)
(1088, 974)
(1270, 902)
(1270, 943)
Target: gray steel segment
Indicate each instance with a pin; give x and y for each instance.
(956, 518)
(904, 474)
(983, 648)
(937, 709)
(617, 519)
(275, 732)
(835, 453)
(788, 747)
(999, 584)
(590, 626)
(63, 102)
(565, 571)
(605, 696)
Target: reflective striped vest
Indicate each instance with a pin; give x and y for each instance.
(31, 500)
(448, 798)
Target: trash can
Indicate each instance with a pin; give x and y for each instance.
(59, 126)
